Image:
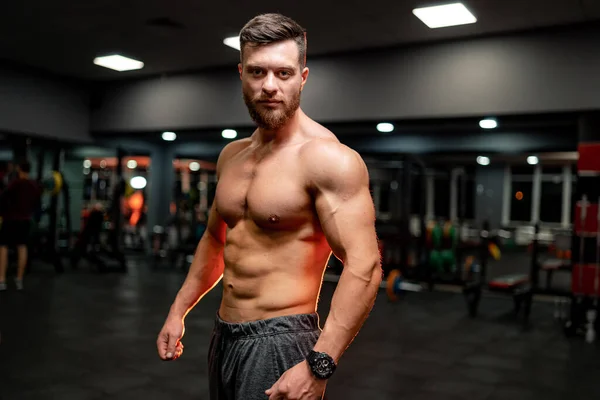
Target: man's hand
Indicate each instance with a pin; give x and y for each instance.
(297, 383)
(168, 342)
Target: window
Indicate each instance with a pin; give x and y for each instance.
(520, 203)
(552, 170)
(466, 196)
(520, 172)
(546, 185)
(551, 201)
(417, 196)
(551, 194)
(521, 196)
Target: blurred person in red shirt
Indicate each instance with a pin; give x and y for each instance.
(18, 203)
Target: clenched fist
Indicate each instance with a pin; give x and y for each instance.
(168, 343)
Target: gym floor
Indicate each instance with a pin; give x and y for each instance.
(84, 336)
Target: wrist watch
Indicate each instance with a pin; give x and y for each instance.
(321, 364)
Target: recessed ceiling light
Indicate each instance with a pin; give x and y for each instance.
(169, 136)
(87, 163)
(194, 166)
(445, 15)
(481, 160)
(488, 123)
(229, 134)
(532, 160)
(131, 164)
(385, 127)
(118, 63)
(233, 42)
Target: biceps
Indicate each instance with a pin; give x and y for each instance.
(349, 224)
(216, 227)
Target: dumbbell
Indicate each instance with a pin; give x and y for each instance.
(396, 285)
(471, 265)
(435, 260)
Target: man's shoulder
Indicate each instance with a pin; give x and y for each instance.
(327, 150)
(235, 146)
(231, 149)
(325, 160)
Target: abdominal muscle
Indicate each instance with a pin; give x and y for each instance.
(270, 276)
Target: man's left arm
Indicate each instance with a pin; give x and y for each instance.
(340, 184)
(347, 215)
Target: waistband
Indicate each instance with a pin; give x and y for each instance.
(270, 326)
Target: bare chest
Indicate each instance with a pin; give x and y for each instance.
(271, 193)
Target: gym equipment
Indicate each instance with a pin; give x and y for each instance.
(53, 184)
(586, 273)
(442, 244)
(520, 287)
(106, 224)
(494, 251)
(174, 243)
(562, 244)
(89, 243)
(396, 285)
(590, 335)
(560, 308)
(402, 249)
(54, 242)
(471, 265)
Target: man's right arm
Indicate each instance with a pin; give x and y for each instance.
(207, 266)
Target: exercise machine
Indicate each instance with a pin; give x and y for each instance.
(401, 247)
(100, 240)
(585, 279)
(521, 287)
(53, 243)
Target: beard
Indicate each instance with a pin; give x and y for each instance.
(271, 119)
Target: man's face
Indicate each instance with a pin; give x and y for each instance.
(272, 82)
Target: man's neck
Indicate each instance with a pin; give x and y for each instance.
(283, 135)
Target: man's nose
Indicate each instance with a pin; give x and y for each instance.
(269, 84)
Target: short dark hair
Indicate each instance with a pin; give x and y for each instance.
(270, 28)
(25, 166)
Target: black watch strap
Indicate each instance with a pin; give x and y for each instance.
(321, 364)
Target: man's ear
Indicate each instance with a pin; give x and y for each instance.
(305, 72)
(240, 70)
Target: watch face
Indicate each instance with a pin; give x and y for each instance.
(323, 365)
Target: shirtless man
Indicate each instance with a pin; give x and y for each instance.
(286, 198)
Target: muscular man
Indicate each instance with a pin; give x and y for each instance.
(286, 198)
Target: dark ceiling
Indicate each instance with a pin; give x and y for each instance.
(64, 36)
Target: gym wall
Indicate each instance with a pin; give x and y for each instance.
(546, 71)
(35, 104)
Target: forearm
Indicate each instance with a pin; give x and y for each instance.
(205, 272)
(351, 304)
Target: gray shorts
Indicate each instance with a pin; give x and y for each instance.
(246, 359)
